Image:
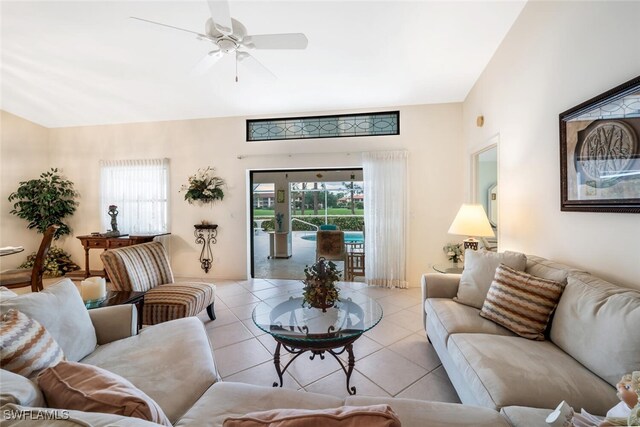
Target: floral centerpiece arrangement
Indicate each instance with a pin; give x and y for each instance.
(320, 289)
(204, 187)
(454, 252)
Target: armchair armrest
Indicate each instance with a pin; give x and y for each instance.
(438, 285)
(114, 323)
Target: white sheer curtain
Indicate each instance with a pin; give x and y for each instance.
(140, 190)
(385, 217)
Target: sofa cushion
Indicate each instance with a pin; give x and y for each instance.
(344, 416)
(522, 416)
(479, 270)
(608, 316)
(176, 300)
(17, 389)
(506, 371)
(171, 362)
(521, 302)
(421, 413)
(6, 293)
(449, 317)
(228, 399)
(72, 385)
(26, 347)
(546, 269)
(59, 308)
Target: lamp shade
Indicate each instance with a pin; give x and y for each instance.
(471, 220)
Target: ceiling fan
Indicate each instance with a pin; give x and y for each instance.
(229, 37)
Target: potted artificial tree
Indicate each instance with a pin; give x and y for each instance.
(42, 202)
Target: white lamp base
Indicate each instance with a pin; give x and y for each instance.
(470, 243)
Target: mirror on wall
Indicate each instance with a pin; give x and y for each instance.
(485, 164)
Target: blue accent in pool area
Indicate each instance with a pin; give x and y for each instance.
(349, 237)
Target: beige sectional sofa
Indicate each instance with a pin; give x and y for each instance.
(173, 363)
(593, 339)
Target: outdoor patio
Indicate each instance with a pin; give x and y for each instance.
(304, 252)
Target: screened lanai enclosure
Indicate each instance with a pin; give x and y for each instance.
(288, 209)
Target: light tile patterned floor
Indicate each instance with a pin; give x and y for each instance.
(392, 359)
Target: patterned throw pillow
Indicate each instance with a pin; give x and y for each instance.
(521, 302)
(26, 347)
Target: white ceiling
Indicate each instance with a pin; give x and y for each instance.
(85, 63)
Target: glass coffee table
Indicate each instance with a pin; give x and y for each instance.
(300, 329)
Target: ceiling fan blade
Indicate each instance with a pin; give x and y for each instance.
(239, 30)
(277, 41)
(252, 64)
(168, 26)
(221, 16)
(206, 62)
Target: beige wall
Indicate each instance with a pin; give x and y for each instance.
(431, 133)
(23, 156)
(557, 55)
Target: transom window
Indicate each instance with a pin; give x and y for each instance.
(335, 126)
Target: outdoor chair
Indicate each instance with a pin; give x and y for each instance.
(145, 268)
(324, 227)
(354, 265)
(330, 245)
(22, 277)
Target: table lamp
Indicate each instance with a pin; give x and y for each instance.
(471, 220)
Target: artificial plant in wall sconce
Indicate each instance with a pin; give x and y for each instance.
(203, 187)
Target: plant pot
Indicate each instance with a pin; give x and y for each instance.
(322, 300)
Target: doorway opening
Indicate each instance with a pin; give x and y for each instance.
(485, 188)
(288, 207)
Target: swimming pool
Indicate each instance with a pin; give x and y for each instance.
(349, 237)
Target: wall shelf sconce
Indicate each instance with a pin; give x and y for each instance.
(206, 236)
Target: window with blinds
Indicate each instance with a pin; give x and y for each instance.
(140, 190)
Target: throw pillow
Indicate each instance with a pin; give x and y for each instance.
(59, 308)
(521, 302)
(345, 416)
(479, 270)
(25, 345)
(71, 385)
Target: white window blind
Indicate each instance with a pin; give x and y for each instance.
(140, 190)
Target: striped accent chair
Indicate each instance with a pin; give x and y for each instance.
(145, 268)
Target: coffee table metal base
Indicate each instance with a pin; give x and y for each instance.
(316, 349)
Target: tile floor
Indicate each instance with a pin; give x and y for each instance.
(392, 359)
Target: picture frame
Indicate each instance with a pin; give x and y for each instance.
(280, 196)
(600, 152)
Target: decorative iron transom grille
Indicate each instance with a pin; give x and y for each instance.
(337, 126)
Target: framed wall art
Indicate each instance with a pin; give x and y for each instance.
(280, 196)
(600, 152)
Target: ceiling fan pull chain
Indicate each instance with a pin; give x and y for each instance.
(236, 67)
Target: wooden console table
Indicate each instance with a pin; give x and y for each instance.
(102, 242)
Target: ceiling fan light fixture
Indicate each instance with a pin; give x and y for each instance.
(229, 35)
(227, 45)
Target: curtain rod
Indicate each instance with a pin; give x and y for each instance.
(348, 153)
